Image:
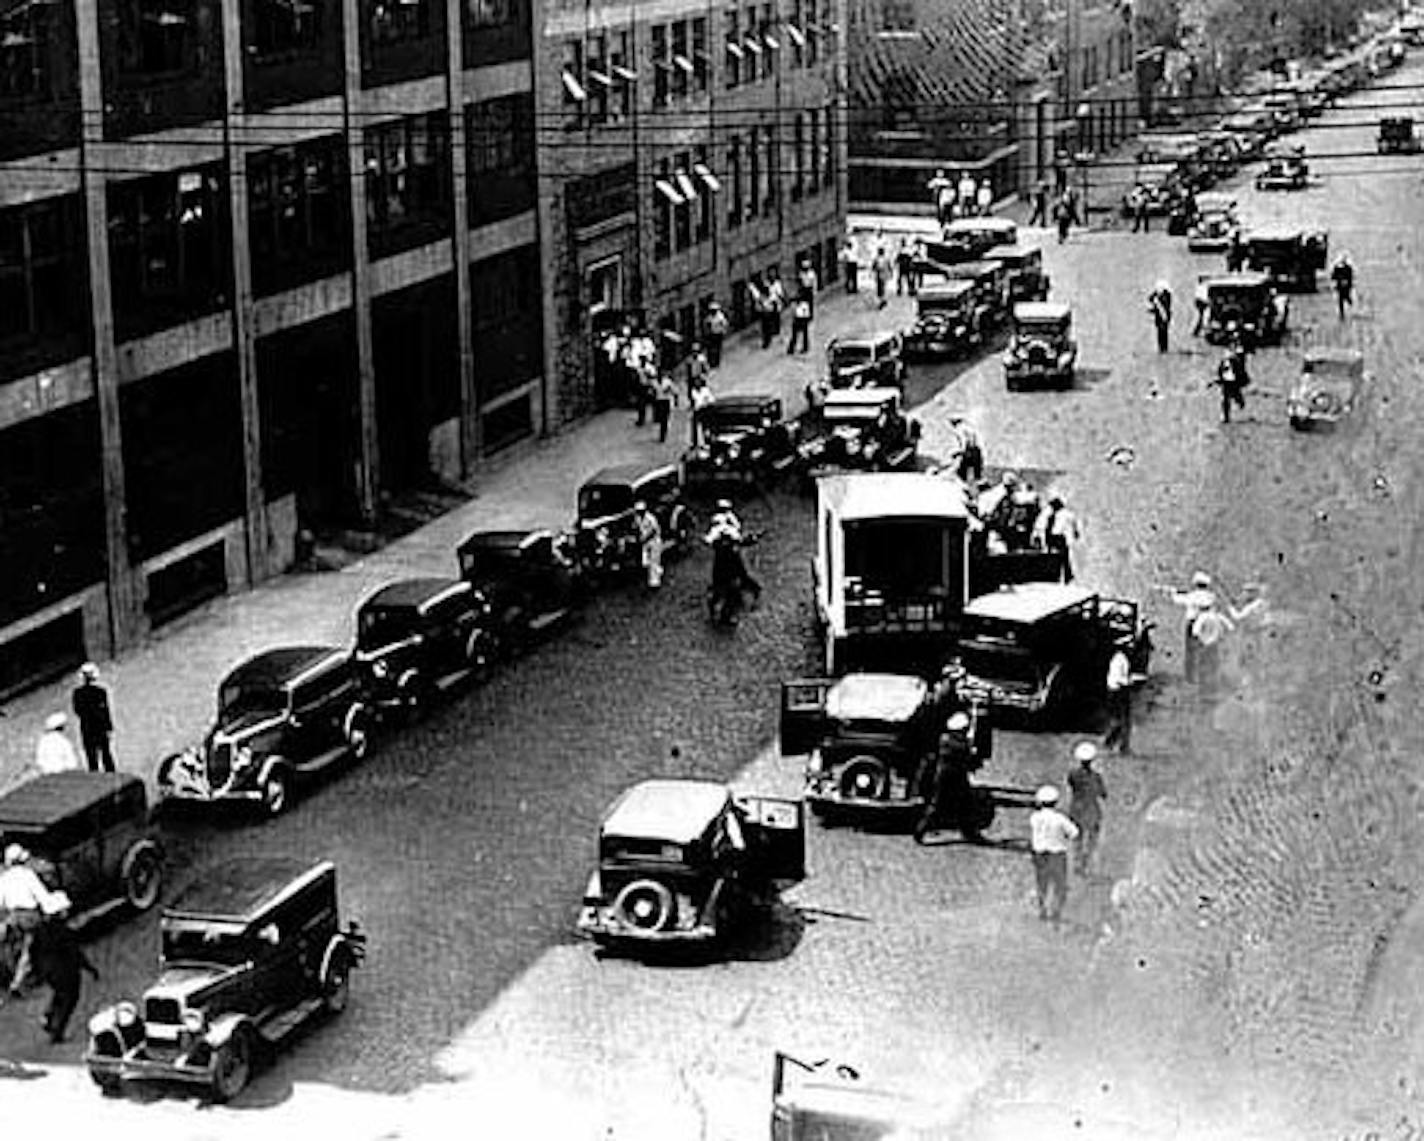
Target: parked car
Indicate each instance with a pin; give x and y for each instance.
(283, 717)
(1253, 129)
(969, 239)
(1216, 220)
(530, 579)
(419, 637)
(829, 1103)
(248, 953)
(684, 862)
(1025, 279)
(991, 289)
(874, 361)
(1328, 388)
(948, 320)
(1291, 256)
(1042, 349)
(1221, 152)
(1158, 184)
(88, 835)
(1041, 649)
(1242, 306)
(1285, 170)
(1397, 137)
(1285, 109)
(745, 439)
(865, 429)
(606, 536)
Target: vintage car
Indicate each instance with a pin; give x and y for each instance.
(1397, 137)
(90, 836)
(419, 637)
(1155, 184)
(1328, 388)
(248, 953)
(283, 716)
(1042, 349)
(530, 580)
(605, 533)
(864, 429)
(1041, 650)
(818, 1101)
(1253, 130)
(744, 439)
(948, 320)
(1025, 279)
(1285, 170)
(685, 862)
(1221, 152)
(1215, 222)
(1286, 109)
(968, 239)
(991, 287)
(874, 361)
(1242, 307)
(1293, 257)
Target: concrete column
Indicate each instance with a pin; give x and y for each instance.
(234, 119)
(126, 616)
(470, 442)
(368, 470)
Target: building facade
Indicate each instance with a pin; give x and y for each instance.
(262, 263)
(686, 146)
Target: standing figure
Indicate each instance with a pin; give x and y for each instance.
(664, 396)
(715, 332)
(800, 326)
(22, 899)
(1208, 630)
(1120, 681)
(850, 266)
(1057, 530)
(776, 299)
(807, 283)
(941, 190)
(60, 962)
(1088, 791)
(53, 752)
(1198, 597)
(1159, 305)
(1039, 217)
(697, 403)
(949, 797)
(650, 544)
(1062, 218)
(971, 449)
(968, 188)
(1232, 379)
(985, 199)
(699, 368)
(1050, 834)
(904, 273)
(918, 256)
(1141, 212)
(881, 270)
(1342, 277)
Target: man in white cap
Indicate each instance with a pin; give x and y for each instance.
(650, 544)
(1085, 809)
(1193, 601)
(23, 896)
(53, 752)
(949, 797)
(96, 722)
(1050, 834)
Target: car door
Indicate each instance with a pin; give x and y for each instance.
(803, 714)
(775, 829)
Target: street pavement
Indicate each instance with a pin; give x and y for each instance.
(1241, 965)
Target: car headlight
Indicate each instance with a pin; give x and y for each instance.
(242, 756)
(380, 669)
(194, 1021)
(125, 1015)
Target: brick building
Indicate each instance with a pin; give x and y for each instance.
(199, 352)
(684, 147)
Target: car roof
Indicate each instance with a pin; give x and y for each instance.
(670, 810)
(955, 287)
(875, 697)
(965, 269)
(243, 888)
(414, 593)
(1041, 311)
(1328, 354)
(864, 338)
(974, 225)
(1247, 277)
(749, 403)
(281, 666)
(50, 798)
(861, 397)
(864, 1106)
(503, 540)
(1274, 234)
(894, 495)
(1215, 200)
(1027, 602)
(629, 473)
(1019, 249)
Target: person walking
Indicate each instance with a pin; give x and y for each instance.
(1342, 277)
(985, 198)
(881, 269)
(1056, 530)
(96, 722)
(800, 326)
(850, 267)
(808, 283)
(918, 256)
(1141, 212)
(1197, 597)
(971, 450)
(22, 897)
(1235, 251)
(949, 797)
(904, 279)
(1232, 378)
(1120, 681)
(1085, 808)
(1159, 305)
(1208, 631)
(650, 544)
(967, 192)
(53, 752)
(714, 333)
(1062, 218)
(664, 396)
(776, 297)
(1050, 834)
(1060, 174)
(60, 962)
(697, 403)
(941, 190)
(1039, 217)
(699, 368)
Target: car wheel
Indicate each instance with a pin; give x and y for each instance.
(275, 790)
(232, 1067)
(864, 778)
(109, 1085)
(646, 905)
(479, 651)
(336, 987)
(165, 771)
(358, 734)
(143, 877)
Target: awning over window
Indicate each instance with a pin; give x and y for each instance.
(798, 37)
(685, 185)
(626, 74)
(683, 62)
(601, 77)
(752, 45)
(771, 41)
(703, 172)
(665, 188)
(573, 86)
(735, 50)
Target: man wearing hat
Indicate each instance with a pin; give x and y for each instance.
(96, 723)
(53, 752)
(1193, 601)
(1050, 834)
(949, 797)
(59, 961)
(22, 898)
(1086, 785)
(650, 544)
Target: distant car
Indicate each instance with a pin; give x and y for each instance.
(684, 862)
(1285, 170)
(973, 238)
(873, 361)
(991, 289)
(948, 320)
(1293, 257)
(1025, 279)
(418, 637)
(1328, 388)
(606, 536)
(1242, 306)
(284, 716)
(1216, 220)
(1397, 137)
(90, 836)
(745, 439)
(1156, 185)
(1042, 349)
(530, 579)
(863, 429)
(248, 954)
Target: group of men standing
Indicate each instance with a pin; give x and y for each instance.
(965, 197)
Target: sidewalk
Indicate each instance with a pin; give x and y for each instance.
(163, 692)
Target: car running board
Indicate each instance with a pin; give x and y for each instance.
(284, 1023)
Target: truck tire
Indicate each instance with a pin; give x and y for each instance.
(232, 1065)
(142, 875)
(646, 905)
(336, 986)
(276, 791)
(356, 730)
(864, 778)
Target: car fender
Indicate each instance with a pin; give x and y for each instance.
(338, 946)
(593, 889)
(135, 850)
(222, 1028)
(355, 710)
(102, 1020)
(406, 682)
(272, 764)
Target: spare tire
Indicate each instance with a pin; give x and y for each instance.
(864, 778)
(645, 905)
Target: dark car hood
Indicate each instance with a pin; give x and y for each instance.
(187, 981)
(247, 725)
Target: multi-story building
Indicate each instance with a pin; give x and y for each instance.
(261, 263)
(686, 146)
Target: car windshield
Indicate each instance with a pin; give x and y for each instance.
(941, 304)
(999, 662)
(848, 356)
(222, 946)
(638, 851)
(732, 419)
(852, 413)
(381, 625)
(1236, 297)
(239, 700)
(1041, 328)
(606, 499)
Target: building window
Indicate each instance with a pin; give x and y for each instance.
(620, 66)
(491, 13)
(828, 149)
(297, 213)
(772, 170)
(769, 42)
(167, 248)
(598, 80)
(285, 29)
(735, 52)
(398, 21)
(795, 32)
(736, 205)
(813, 145)
(25, 51)
(662, 66)
(681, 61)
(41, 271)
(754, 172)
(683, 191)
(751, 45)
(155, 37)
(571, 76)
(507, 323)
(700, 58)
(798, 157)
(897, 16)
(499, 134)
(407, 181)
(706, 184)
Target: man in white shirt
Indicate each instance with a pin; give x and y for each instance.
(22, 899)
(1120, 681)
(53, 751)
(1208, 629)
(1051, 834)
(1193, 601)
(1056, 529)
